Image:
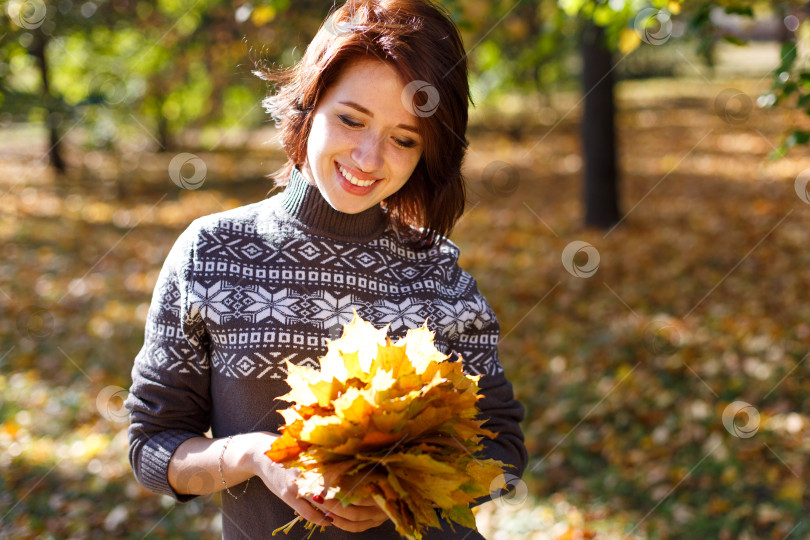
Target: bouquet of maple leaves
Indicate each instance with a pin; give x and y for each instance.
(392, 421)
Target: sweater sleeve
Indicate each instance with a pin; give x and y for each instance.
(478, 347)
(169, 400)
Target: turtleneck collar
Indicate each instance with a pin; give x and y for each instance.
(304, 202)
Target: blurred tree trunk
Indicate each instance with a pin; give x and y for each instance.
(598, 131)
(52, 118)
(156, 98)
(781, 12)
(164, 138)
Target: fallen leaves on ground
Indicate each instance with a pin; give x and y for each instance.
(698, 302)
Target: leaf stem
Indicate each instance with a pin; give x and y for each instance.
(288, 527)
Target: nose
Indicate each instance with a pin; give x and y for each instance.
(368, 154)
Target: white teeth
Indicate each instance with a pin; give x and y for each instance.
(352, 179)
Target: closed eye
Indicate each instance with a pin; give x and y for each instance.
(348, 121)
(405, 143)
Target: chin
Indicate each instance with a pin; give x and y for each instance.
(348, 208)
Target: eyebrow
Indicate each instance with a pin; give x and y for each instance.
(363, 110)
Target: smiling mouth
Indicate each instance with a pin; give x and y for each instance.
(355, 181)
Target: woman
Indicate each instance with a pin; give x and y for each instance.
(373, 121)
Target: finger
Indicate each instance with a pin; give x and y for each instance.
(356, 519)
(366, 501)
(355, 526)
(333, 504)
(310, 513)
(348, 513)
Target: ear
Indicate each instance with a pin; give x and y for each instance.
(306, 171)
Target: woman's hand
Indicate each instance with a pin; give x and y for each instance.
(244, 458)
(357, 517)
(277, 478)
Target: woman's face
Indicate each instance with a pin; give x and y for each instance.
(364, 144)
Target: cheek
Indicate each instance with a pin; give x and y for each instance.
(318, 137)
(407, 163)
(325, 139)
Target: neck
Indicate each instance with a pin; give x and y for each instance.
(304, 202)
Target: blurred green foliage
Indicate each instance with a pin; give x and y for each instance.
(119, 67)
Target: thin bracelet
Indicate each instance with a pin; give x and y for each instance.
(221, 455)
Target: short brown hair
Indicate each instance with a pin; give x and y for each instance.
(418, 38)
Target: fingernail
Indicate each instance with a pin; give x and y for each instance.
(318, 499)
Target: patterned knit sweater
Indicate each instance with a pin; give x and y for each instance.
(244, 290)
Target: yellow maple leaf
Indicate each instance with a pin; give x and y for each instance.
(360, 337)
(353, 406)
(420, 349)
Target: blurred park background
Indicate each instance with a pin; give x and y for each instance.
(659, 347)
